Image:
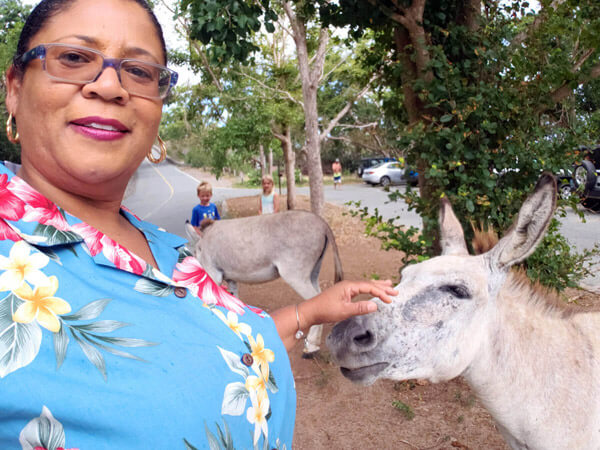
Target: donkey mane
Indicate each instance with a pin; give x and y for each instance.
(518, 283)
(206, 223)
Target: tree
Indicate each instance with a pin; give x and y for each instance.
(226, 29)
(486, 96)
(12, 18)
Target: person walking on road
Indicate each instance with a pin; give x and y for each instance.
(336, 167)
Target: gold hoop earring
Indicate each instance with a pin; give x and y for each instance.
(163, 152)
(9, 130)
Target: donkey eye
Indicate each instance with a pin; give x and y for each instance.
(457, 290)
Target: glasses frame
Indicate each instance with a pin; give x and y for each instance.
(40, 51)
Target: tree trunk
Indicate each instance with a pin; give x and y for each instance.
(310, 75)
(263, 164)
(313, 151)
(290, 168)
(271, 161)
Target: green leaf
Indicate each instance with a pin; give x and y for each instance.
(125, 342)
(152, 287)
(446, 118)
(92, 354)
(470, 206)
(43, 432)
(234, 399)
(271, 384)
(89, 311)
(234, 362)
(19, 342)
(102, 326)
(189, 446)
(213, 442)
(114, 351)
(61, 342)
(55, 236)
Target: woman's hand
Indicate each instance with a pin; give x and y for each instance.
(332, 305)
(335, 304)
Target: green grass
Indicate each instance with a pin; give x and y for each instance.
(405, 409)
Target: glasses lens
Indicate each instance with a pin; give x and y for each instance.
(145, 79)
(73, 64)
(81, 65)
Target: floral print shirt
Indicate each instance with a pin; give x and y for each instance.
(99, 350)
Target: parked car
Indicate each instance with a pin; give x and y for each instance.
(385, 174)
(411, 176)
(583, 179)
(365, 163)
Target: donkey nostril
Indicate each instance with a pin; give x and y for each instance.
(364, 339)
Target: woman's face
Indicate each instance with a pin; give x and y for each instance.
(88, 139)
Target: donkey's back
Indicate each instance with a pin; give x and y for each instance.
(255, 249)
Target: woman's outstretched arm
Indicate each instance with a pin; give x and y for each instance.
(331, 305)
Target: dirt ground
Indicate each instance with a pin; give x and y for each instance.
(332, 412)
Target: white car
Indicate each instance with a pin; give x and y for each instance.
(384, 174)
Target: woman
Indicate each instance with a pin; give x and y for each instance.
(195, 367)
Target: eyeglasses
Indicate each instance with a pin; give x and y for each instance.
(82, 65)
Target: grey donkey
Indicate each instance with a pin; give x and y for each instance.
(256, 249)
(533, 361)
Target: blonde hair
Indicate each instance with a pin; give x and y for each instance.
(205, 186)
(269, 178)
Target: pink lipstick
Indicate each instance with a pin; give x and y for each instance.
(99, 128)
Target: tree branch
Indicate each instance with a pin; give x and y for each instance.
(333, 123)
(537, 22)
(285, 94)
(316, 72)
(565, 90)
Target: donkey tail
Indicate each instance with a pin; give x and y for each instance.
(339, 273)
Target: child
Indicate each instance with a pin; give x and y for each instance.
(205, 210)
(336, 168)
(269, 200)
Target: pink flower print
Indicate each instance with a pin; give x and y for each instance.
(38, 208)
(57, 448)
(256, 310)
(6, 232)
(121, 257)
(189, 273)
(90, 235)
(11, 206)
(124, 208)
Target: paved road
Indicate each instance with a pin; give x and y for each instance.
(165, 195)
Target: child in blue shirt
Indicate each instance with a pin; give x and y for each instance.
(205, 210)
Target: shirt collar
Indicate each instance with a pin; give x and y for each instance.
(40, 222)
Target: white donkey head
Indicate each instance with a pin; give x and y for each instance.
(435, 326)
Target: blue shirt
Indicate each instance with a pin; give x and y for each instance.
(200, 212)
(106, 352)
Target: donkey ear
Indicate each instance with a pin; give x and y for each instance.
(452, 237)
(191, 232)
(531, 225)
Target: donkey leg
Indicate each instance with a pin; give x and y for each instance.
(233, 288)
(305, 288)
(312, 342)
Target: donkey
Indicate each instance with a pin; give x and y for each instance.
(290, 245)
(534, 363)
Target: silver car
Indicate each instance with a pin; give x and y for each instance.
(384, 174)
